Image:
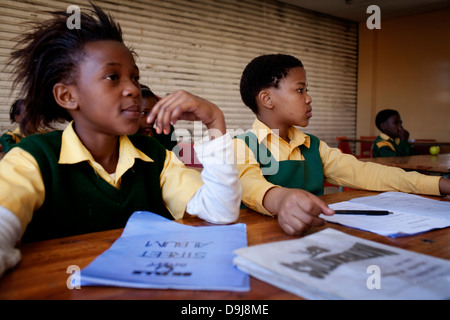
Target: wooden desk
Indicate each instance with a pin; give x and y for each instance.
(411, 142)
(42, 272)
(423, 163)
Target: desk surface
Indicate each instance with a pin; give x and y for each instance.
(412, 142)
(42, 272)
(423, 163)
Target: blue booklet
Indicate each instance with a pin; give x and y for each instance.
(154, 252)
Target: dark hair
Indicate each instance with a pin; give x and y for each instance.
(264, 72)
(383, 116)
(147, 93)
(17, 108)
(51, 53)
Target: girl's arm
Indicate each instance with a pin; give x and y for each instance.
(10, 232)
(218, 199)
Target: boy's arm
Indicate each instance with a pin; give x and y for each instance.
(297, 209)
(444, 186)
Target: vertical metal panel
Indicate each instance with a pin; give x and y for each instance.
(202, 46)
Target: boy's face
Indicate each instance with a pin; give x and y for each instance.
(292, 104)
(147, 105)
(392, 126)
(107, 90)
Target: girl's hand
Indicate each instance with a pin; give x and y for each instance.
(182, 105)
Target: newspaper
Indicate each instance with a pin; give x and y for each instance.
(411, 214)
(334, 265)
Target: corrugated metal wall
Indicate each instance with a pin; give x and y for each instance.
(202, 46)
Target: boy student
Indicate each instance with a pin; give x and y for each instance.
(393, 139)
(10, 138)
(93, 175)
(274, 87)
(149, 99)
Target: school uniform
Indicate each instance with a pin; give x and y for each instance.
(55, 188)
(385, 146)
(165, 139)
(306, 162)
(9, 139)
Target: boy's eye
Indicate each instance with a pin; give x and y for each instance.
(144, 113)
(302, 90)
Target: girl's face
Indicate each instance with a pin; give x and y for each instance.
(107, 90)
(291, 100)
(147, 105)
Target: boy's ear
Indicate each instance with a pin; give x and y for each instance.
(64, 96)
(265, 100)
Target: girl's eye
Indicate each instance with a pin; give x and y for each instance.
(136, 78)
(302, 90)
(144, 113)
(112, 77)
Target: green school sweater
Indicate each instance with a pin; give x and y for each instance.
(388, 148)
(78, 201)
(303, 174)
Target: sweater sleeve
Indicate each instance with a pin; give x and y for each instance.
(218, 199)
(10, 232)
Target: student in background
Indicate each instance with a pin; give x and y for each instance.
(282, 170)
(10, 138)
(93, 175)
(149, 99)
(393, 140)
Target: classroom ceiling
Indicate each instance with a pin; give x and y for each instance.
(355, 10)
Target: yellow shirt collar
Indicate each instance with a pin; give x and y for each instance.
(296, 137)
(73, 151)
(386, 137)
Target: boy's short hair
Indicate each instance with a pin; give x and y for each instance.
(383, 116)
(264, 72)
(16, 110)
(147, 93)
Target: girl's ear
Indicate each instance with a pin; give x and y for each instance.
(64, 96)
(265, 100)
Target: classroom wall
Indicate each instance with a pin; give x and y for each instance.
(203, 45)
(406, 66)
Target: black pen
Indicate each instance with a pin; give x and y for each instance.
(364, 212)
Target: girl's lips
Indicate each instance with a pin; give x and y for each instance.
(309, 114)
(133, 112)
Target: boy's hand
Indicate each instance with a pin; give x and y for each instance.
(297, 209)
(182, 105)
(444, 186)
(403, 134)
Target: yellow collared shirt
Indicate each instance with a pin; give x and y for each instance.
(22, 189)
(339, 169)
